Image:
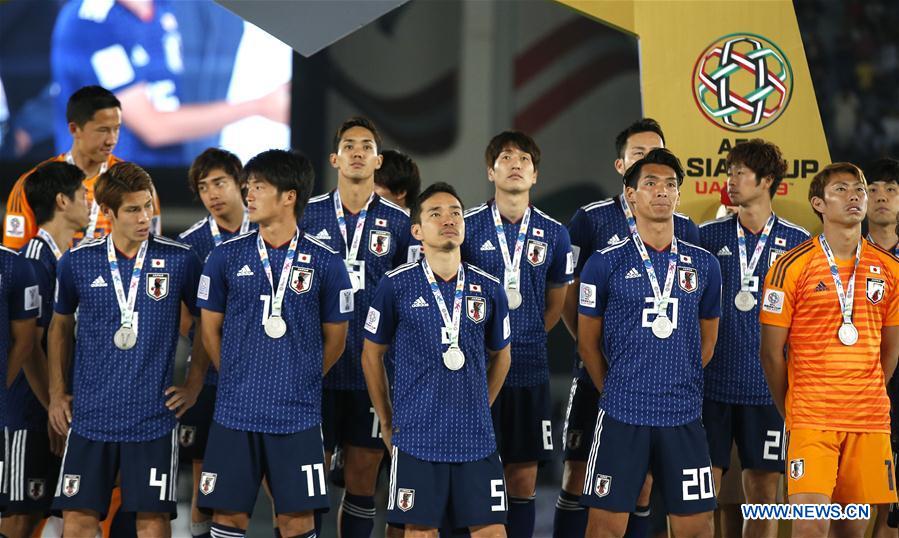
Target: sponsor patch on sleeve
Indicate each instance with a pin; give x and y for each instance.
(569, 263)
(507, 327)
(32, 298)
(587, 295)
(575, 254)
(346, 301)
(203, 290)
(774, 301)
(372, 320)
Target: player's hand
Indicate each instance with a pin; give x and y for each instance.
(181, 398)
(60, 413)
(57, 442)
(387, 434)
(276, 104)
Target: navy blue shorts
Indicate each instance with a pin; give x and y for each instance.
(621, 455)
(148, 470)
(33, 471)
(236, 461)
(193, 428)
(521, 420)
(4, 472)
(758, 431)
(580, 417)
(432, 493)
(348, 417)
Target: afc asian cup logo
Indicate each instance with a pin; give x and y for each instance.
(742, 82)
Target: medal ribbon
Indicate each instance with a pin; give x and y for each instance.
(748, 269)
(351, 245)
(629, 215)
(661, 297)
(45, 235)
(126, 305)
(845, 297)
(513, 262)
(277, 295)
(95, 207)
(455, 322)
(217, 235)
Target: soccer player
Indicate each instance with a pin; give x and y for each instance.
(275, 304)
(592, 228)
(397, 180)
(116, 417)
(372, 234)
(834, 301)
(648, 319)
(215, 176)
(94, 117)
(56, 193)
(737, 407)
(447, 324)
(530, 253)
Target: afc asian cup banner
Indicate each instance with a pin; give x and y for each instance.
(716, 73)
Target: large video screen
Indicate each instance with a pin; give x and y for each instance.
(189, 74)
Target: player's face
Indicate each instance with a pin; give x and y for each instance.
(743, 186)
(845, 200)
(219, 193)
(883, 203)
(442, 226)
(384, 192)
(99, 135)
(638, 145)
(357, 154)
(656, 195)
(132, 220)
(77, 212)
(513, 171)
(265, 204)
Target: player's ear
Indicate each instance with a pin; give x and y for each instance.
(380, 162)
(108, 213)
(416, 232)
(73, 128)
(333, 159)
(619, 166)
(818, 204)
(491, 174)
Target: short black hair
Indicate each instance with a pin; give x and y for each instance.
(517, 139)
(86, 101)
(357, 121)
(48, 180)
(435, 188)
(286, 171)
(209, 160)
(661, 156)
(763, 158)
(645, 125)
(399, 173)
(886, 170)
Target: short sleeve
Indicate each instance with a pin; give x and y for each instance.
(404, 240)
(710, 303)
(779, 294)
(192, 271)
(562, 269)
(45, 284)
(593, 292)
(691, 233)
(66, 296)
(380, 320)
(212, 289)
(25, 301)
(336, 293)
(580, 236)
(891, 317)
(499, 329)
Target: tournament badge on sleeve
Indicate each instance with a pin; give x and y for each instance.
(379, 242)
(301, 279)
(157, 285)
(687, 279)
(475, 307)
(536, 252)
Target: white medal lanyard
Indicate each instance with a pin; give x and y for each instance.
(352, 245)
(126, 305)
(629, 216)
(747, 269)
(45, 235)
(452, 323)
(217, 235)
(662, 297)
(277, 294)
(95, 207)
(845, 297)
(511, 263)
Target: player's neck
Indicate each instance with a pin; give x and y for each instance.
(754, 216)
(126, 246)
(444, 263)
(87, 165)
(278, 231)
(656, 234)
(512, 205)
(843, 239)
(355, 194)
(884, 235)
(231, 220)
(61, 232)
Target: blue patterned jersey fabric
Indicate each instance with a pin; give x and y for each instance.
(19, 299)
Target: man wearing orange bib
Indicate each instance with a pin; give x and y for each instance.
(833, 301)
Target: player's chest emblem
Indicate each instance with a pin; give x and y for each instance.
(301, 279)
(158, 286)
(36, 488)
(603, 485)
(379, 242)
(207, 483)
(874, 289)
(687, 279)
(405, 499)
(71, 483)
(797, 469)
(773, 255)
(187, 435)
(475, 308)
(536, 252)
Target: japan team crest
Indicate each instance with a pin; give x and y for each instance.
(405, 499)
(687, 279)
(797, 468)
(207, 483)
(158, 286)
(36, 488)
(476, 308)
(187, 435)
(301, 279)
(874, 290)
(536, 252)
(71, 483)
(603, 485)
(379, 242)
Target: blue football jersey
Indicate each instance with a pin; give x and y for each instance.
(21, 299)
(105, 43)
(119, 394)
(386, 243)
(600, 224)
(546, 261)
(439, 415)
(735, 373)
(199, 237)
(265, 384)
(651, 381)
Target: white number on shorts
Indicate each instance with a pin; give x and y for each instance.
(266, 304)
(772, 446)
(651, 308)
(310, 482)
(375, 424)
(161, 483)
(702, 480)
(547, 435)
(498, 491)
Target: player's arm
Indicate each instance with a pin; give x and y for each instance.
(333, 343)
(889, 351)
(497, 370)
(589, 347)
(569, 308)
(555, 302)
(376, 382)
(36, 370)
(709, 309)
(211, 333)
(708, 335)
(183, 397)
(59, 348)
(774, 363)
(22, 334)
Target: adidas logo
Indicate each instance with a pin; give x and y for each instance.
(420, 302)
(633, 273)
(98, 282)
(725, 251)
(614, 239)
(245, 271)
(323, 234)
(821, 286)
(487, 246)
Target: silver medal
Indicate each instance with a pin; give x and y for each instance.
(453, 358)
(275, 327)
(514, 297)
(662, 327)
(848, 334)
(744, 301)
(125, 338)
